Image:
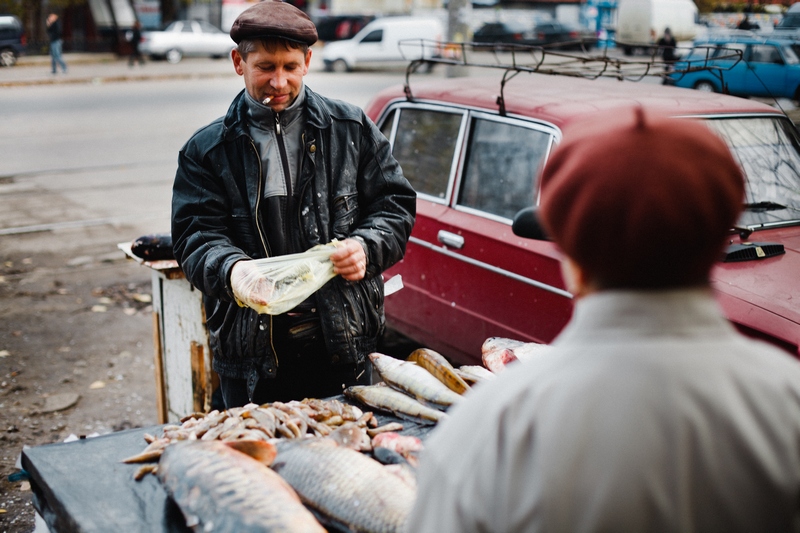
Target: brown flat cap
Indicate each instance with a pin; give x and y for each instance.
(639, 200)
(273, 18)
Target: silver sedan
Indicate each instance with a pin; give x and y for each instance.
(186, 38)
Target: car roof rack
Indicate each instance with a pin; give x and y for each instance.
(583, 63)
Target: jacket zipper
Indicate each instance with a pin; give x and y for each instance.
(305, 184)
(258, 199)
(287, 177)
(261, 233)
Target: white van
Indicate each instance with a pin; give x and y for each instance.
(644, 21)
(378, 44)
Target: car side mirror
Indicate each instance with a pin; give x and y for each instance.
(527, 224)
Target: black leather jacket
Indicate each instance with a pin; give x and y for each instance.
(349, 185)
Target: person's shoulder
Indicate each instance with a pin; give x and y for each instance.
(337, 109)
(207, 136)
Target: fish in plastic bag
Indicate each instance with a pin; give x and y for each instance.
(287, 280)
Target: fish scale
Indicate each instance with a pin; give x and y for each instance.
(220, 489)
(345, 486)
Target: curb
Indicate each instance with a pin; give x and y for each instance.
(97, 80)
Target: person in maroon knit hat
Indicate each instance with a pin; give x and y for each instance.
(649, 412)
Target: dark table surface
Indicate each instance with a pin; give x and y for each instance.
(83, 486)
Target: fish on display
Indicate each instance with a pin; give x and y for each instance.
(498, 352)
(220, 489)
(398, 403)
(346, 488)
(440, 368)
(474, 374)
(414, 380)
(407, 446)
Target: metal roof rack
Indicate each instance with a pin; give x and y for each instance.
(584, 62)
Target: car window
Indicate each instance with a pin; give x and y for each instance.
(724, 50)
(765, 53)
(768, 150)
(374, 36)
(187, 28)
(425, 145)
(386, 127)
(789, 55)
(502, 162)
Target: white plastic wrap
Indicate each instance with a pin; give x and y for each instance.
(278, 284)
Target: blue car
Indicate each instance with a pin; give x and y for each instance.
(768, 67)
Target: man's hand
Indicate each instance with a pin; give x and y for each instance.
(248, 284)
(349, 260)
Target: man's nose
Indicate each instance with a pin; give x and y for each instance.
(278, 81)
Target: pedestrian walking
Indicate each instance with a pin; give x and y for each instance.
(54, 34)
(135, 40)
(666, 47)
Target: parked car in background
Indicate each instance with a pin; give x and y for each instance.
(541, 33)
(378, 44)
(789, 25)
(185, 38)
(467, 277)
(12, 40)
(769, 67)
(339, 27)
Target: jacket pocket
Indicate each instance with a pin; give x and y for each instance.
(243, 234)
(345, 215)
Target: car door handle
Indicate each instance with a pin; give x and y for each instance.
(450, 239)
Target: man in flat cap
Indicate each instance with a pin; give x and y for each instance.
(284, 170)
(649, 412)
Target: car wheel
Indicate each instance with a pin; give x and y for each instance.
(705, 86)
(340, 65)
(174, 55)
(7, 57)
(627, 50)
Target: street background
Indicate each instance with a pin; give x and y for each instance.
(87, 161)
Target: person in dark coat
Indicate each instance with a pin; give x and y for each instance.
(287, 169)
(54, 34)
(136, 39)
(666, 47)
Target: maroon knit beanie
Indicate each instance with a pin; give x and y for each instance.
(640, 200)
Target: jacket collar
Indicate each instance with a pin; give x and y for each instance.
(236, 119)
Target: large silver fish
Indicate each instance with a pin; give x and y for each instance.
(349, 489)
(220, 489)
(398, 403)
(414, 380)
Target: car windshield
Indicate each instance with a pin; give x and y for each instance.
(768, 150)
(790, 21)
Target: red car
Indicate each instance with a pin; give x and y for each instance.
(468, 277)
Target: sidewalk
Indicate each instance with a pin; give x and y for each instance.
(106, 67)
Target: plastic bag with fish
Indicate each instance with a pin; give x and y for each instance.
(278, 284)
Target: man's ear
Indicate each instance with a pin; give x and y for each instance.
(308, 61)
(575, 278)
(237, 61)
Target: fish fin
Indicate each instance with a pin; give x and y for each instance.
(262, 451)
